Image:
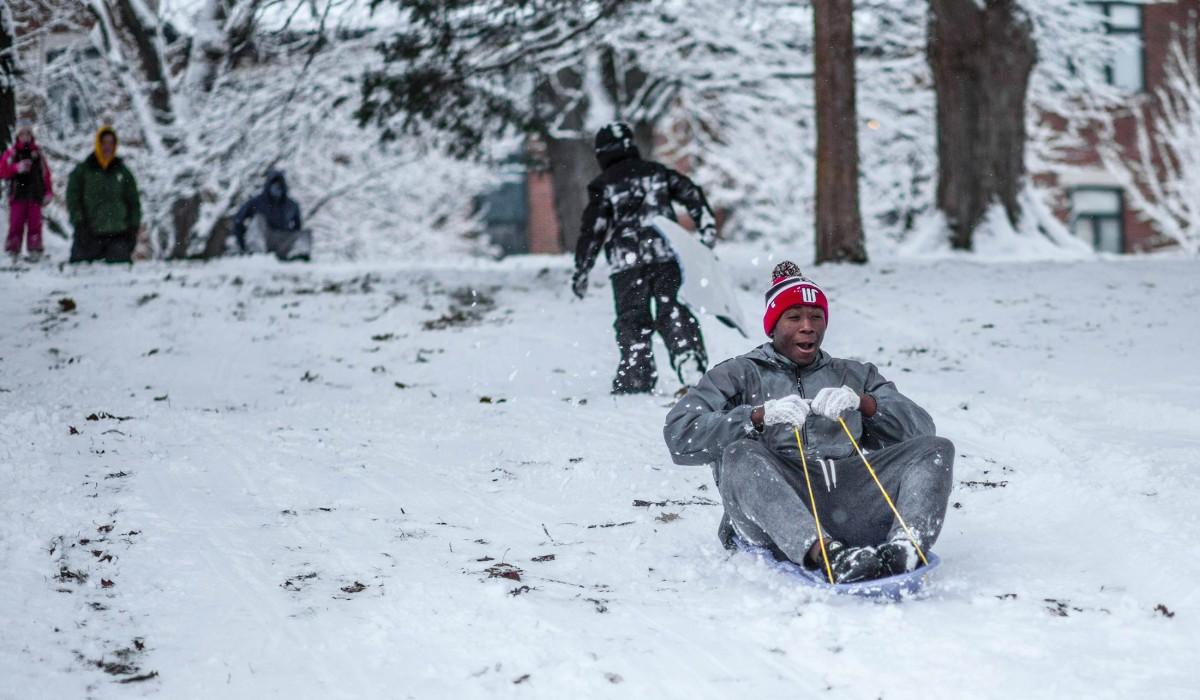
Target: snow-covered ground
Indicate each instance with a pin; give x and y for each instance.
(248, 480)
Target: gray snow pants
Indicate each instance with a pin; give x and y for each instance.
(286, 245)
(766, 500)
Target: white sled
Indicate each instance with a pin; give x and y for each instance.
(706, 288)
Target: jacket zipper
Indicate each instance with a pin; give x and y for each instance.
(800, 388)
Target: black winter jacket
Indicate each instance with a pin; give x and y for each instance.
(621, 203)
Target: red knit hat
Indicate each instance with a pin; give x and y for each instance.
(789, 289)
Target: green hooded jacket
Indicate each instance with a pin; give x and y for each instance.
(103, 200)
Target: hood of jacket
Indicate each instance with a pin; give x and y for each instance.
(275, 177)
(25, 147)
(100, 159)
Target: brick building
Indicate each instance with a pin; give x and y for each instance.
(54, 52)
(1089, 199)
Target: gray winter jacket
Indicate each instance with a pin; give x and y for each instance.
(716, 412)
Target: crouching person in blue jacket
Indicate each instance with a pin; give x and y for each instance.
(270, 223)
(742, 418)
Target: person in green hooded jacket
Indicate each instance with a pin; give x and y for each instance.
(103, 201)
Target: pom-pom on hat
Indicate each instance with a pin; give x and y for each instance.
(790, 288)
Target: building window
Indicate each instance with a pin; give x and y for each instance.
(505, 208)
(1098, 217)
(1123, 21)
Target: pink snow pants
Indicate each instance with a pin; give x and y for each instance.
(22, 213)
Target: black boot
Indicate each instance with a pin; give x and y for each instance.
(636, 373)
(850, 564)
(689, 367)
(725, 533)
(898, 557)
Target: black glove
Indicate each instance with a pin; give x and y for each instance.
(579, 283)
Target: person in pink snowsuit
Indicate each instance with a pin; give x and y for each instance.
(31, 188)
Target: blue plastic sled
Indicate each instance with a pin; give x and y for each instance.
(891, 587)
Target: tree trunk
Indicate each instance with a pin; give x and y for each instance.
(839, 223)
(572, 167)
(981, 59)
(569, 156)
(8, 76)
(150, 58)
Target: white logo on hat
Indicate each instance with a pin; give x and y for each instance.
(809, 295)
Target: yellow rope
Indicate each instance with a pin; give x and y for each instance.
(882, 490)
(813, 500)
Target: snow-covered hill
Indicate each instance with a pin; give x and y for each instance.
(246, 480)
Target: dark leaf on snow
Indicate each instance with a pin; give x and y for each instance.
(504, 570)
(697, 501)
(65, 574)
(544, 557)
(142, 677)
(66, 304)
(1162, 610)
(102, 415)
(357, 587)
(116, 668)
(292, 583)
(984, 484)
(1060, 608)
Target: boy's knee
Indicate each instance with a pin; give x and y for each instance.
(734, 453)
(944, 449)
(742, 451)
(938, 449)
(738, 457)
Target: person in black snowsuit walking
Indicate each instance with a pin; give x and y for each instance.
(622, 201)
(274, 222)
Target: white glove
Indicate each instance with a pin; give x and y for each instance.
(790, 410)
(831, 403)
